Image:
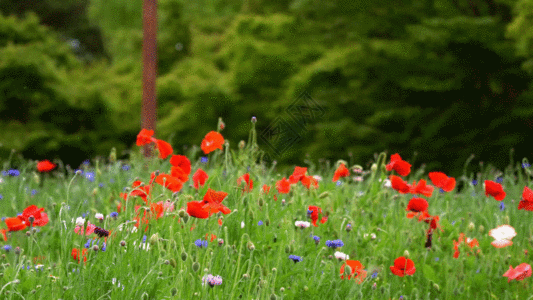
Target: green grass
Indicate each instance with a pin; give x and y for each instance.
(173, 267)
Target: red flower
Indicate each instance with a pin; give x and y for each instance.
(145, 137)
(494, 189)
(3, 232)
(417, 205)
(182, 162)
(527, 199)
(341, 171)
(519, 273)
(421, 188)
(142, 191)
(170, 182)
(196, 209)
(397, 164)
(470, 242)
(213, 140)
(283, 186)
(15, 224)
(442, 181)
(213, 237)
(313, 212)
(249, 183)
(178, 173)
(76, 254)
(403, 266)
(45, 166)
(307, 181)
(199, 178)
(213, 201)
(266, 189)
(356, 267)
(165, 149)
(398, 184)
(297, 175)
(40, 218)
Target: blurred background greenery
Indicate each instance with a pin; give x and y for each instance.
(442, 78)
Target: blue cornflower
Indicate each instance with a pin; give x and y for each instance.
(317, 239)
(436, 259)
(33, 192)
(499, 179)
(104, 246)
(442, 191)
(375, 274)
(90, 176)
(125, 168)
(200, 244)
(339, 183)
(144, 239)
(7, 248)
(453, 222)
(203, 159)
(114, 215)
(88, 244)
(13, 172)
(502, 206)
(474, 182)
(86, 162)
(259, 223)
(101, 185)
(334, 243)
(295, 258)
(525, 165)
(1, 197)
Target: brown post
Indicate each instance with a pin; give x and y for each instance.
(149, 106)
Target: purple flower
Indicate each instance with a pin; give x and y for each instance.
(295, 258)
(200, 244)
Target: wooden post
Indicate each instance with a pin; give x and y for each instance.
(149, 105)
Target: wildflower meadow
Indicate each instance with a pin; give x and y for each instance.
(215, 221)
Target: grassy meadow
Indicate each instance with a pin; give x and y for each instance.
(256, 249)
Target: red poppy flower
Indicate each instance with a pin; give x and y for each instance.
(182, 162)
(421, 188)
(213, 237)
(196, 209)
(165, 149)
(212, 141)
(145, 137)
(266, 189)
(519, 273)
(170, 182)
(356, 267)
(417, 205)
(403, 266)
(309, 181)
(527, 199)
(494, 189)
(213, 200)
(249, 183)
(178, 173)
(199, 178)
(341, 171)
(40, 218)
(397, 164)
(297, 175)
(45, 166)
(3, 232)
(442, 181)
(398, 184)
(139, 190)
(463, 239)
(283, 186)
(313, 212)
(76, 255)
(15, 224)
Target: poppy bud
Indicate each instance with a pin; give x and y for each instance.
(154, 239)
(267, 222)
(323, 195)
(306, 288)
(288, 249)
(406, 254)
(471, 226)
(185, 219)
(481, 229)
(273, 297)
(36, 178)
(242, 144)
(251, 246)
(374, 168)
(195, 267)
(172, 262)
(173, 291)
(183, 256)
(113, 155)
(348, 270)
(261, 202)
